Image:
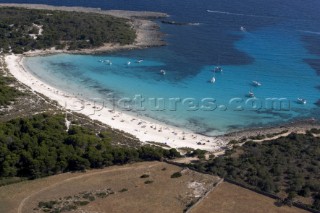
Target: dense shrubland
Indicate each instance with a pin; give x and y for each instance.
(41, 145)
(7, 93)
(22, 30)
(288, 165)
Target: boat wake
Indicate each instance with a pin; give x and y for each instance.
(180, 23)
(237, 14)
(257, 16)
(309, 32)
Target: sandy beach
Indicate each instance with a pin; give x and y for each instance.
(144, 129)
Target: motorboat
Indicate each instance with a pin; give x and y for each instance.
(218, 69)
(302, 101)
(108, 62)
(256, 83)
(251, 94)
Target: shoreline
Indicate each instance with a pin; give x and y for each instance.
(299, 126)
(146, 130)
(118, 13)
(148, 35)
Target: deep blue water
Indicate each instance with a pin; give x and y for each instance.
(281, 49)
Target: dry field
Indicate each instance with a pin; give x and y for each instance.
(130, 193)
(229, 198)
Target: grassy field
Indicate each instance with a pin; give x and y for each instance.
(229, 198)
(155, 192)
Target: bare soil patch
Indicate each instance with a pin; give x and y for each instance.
(229, 198)
(130, 192)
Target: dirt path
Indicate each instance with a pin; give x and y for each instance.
(283, 135)
(274, 137)
(25, 200)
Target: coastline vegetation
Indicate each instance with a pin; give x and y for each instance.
(22, 30)
(285, 166)
(41, 145)
(176, 175)
(8, 93)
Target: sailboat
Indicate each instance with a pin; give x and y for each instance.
(217, 69)
(213, 79)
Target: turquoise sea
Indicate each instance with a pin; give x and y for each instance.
(280, 48)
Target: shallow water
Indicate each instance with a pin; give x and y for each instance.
(279, 37)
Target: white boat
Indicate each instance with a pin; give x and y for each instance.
(108, 62)
(250, 94)
(302, 101)
(162, 72)
(217, 69)
(243, 29)
(139, 61)
(128, 63)
(213, 80)
(256, 83)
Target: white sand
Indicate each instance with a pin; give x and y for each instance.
(144, 130)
